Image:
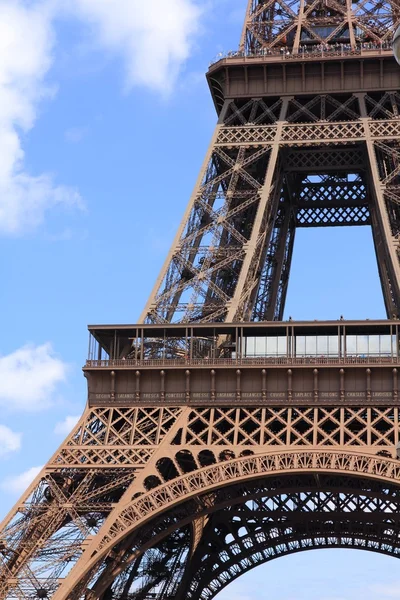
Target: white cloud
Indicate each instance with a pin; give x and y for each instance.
(16, 484)
(9, 441)
(29, 376)
(154, 38)
(65, 427)
(26, 44)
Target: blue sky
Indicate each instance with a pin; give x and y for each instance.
(105, 117)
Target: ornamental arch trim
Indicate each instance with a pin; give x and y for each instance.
(196, 484)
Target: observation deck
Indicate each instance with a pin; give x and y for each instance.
(315, 70)
(272, 363)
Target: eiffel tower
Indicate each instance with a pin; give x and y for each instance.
(216, 436)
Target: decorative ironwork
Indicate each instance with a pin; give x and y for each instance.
(238, 236)
(217, 437)
(300, 27)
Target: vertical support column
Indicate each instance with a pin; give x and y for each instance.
(379, 244)
(369, 431)
(315, 426)
(282, 263)
(236, 430)
(212, 384)
(315, 372)
(271, 259)
(236, 310)
(368, 378)
(112, 386)
(289, 426)
(137, 377)
(287, 262)
(238, 385)
(264, 384)
(187, 385)
(341, 374)
(175, 244)
(342, 420)
(162, 385)
(210, 427)
(289, 384)
(350, 24)
(262, 428)
(242, 45)
(297, 37)
(386, 250)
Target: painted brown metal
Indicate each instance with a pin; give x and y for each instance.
(217, 437)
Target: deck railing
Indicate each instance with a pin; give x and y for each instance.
(245, 361)
(303, 54)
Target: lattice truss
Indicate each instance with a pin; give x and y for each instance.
(143, 503)
(273, 168)
(274, 24)
(75, 495)
(386, 153)
(116, 454)
(388, 159)
(206, 502)
(291, 427)
(205, 268)
(287, 515)
(244, 526)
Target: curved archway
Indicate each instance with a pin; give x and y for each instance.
(212, 488)
(292, 514)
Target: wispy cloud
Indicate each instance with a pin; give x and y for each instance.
(16, 484)
(29, 377)
(9, 441)
(154, 39)
(26, 45)
(66, 426)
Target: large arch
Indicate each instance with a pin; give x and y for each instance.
(291, 514)
(204, 491)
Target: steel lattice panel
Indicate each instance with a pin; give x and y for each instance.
(322, 217)
(161, 498)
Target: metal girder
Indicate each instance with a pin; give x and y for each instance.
(273, 281)
(272, 25)
(226, 460)
(279, 519)
(72, 513)
(334, 200)
(224, 263)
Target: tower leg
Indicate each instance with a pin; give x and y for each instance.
(381, 174)
(240, 307)
(271, 296)
(384, 272)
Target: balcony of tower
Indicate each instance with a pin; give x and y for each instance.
(277, 363)
(309, 47)
(240, 75)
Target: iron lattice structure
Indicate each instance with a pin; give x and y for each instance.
(217, 437)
